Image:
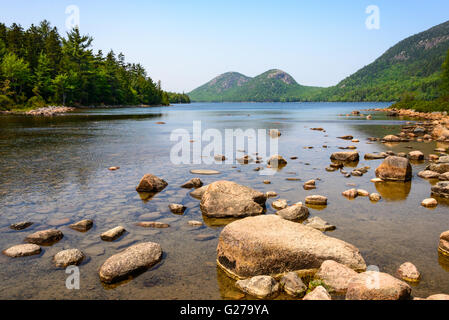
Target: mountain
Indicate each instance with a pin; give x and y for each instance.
(412, 65)
(272, 85)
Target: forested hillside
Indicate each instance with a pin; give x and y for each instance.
(38, 67)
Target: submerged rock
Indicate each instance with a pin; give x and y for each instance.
(204, 172)
(45, 237)
(319, 293)
(112, 234)
(224, 199)
(153, 224)
(22, 250)
(193, 183)
(335, 275)
(373, 285)
(391, 138)
(134, 259)
(261, 287)
(375, 156)
(68, 257)
(82, 226)
(319, 224)
(271, 245)
(394, 169)
(151, 183)
(21, 225)
(198, 193)
(293, 285)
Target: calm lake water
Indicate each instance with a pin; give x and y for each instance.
(55, 172)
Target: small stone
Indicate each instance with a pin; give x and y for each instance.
(347, 137)
(293, 285)
(21, 225)
(82, 226)
(274, 133)
(153, 224)
(319, 224)
(374, 197)
(271, 194)
(362, 193)
(376, 180)
(22, 250)
(416, 155)
(204, 237)
(319, 293)
(279, 204)
(261, 287)
(113, 168)
(68, 257)
(45, 237)
(316, 200)
(177, 208)
(427, 174)
(295, 212)
(277, 161)
(204, 172)
(151, 183)
(267, 182)
(351, 193)
(195, 223)
(193, 183)
(408, 272)
(112, 234)
(429, 203)
(219, 157)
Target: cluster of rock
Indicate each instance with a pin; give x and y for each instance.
(49, 111)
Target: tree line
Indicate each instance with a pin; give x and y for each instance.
(39, 67)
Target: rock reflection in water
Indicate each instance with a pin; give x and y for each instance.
(394, 191)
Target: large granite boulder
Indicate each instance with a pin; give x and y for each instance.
(373, 285)
(224, 199)
(151, 183)
(270, 245)
(394, 169)
(134, 259)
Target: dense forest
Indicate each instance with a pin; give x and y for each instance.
(39, 67)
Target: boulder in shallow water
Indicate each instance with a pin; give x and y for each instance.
(438, 167)
(316, 200)
(394, 169)
(416, 155)
(112, 234)
(224, 199)
(193, 183)
(45, 237)
(134, 259)
(319, 224)
(349, 156)
(151, 183)
(269, 245)
(408, 272)
(443, 246)
(68, 257)
(427, 174)
(373, 285)
(21, 225)
(22, 250)
(82, 226)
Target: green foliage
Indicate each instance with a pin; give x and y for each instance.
(445, 76)
(38, 65)
(6, 103)
(178, 97)
(36, 102)
(316, 283)
(440, 104)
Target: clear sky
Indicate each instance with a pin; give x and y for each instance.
(185, 43)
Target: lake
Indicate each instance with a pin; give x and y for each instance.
(54, 171)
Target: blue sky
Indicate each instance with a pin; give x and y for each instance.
(186, 43)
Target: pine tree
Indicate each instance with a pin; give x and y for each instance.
(445, 76)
